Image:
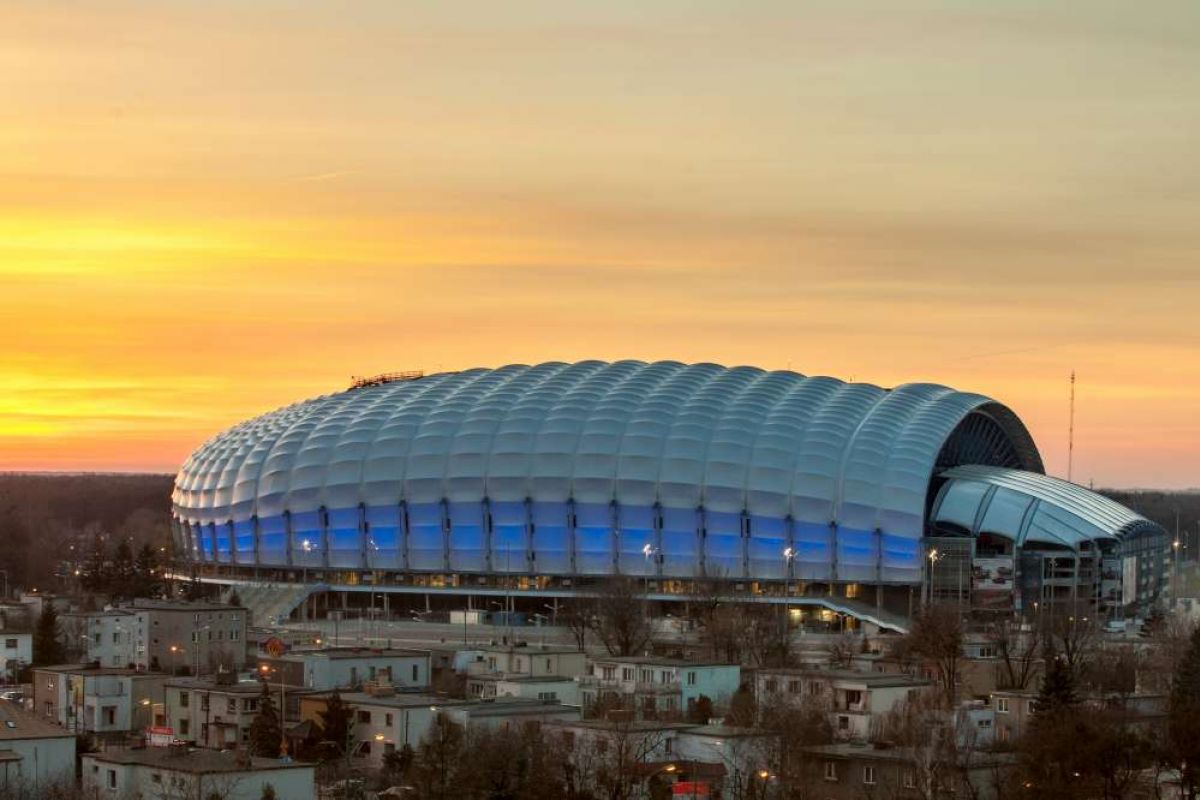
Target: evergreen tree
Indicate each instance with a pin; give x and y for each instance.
(124, 573)
(96, 574)
(146, 572)
(268, 792)
(47, 649)
(1183, 731)
(336, 722)
(235, 599)
(1057, 693)
(266, 732)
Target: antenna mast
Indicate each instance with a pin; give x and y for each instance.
(1071, 431)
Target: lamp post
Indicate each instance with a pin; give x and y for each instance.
(933, 558)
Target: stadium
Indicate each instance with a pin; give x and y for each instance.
(541, 481)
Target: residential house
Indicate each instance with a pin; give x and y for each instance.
(16, 653)
(217, 711)
(383, 721)
(348, 667)
(854, 700)
(849, 771)
(179, 771)
(34, 754)
(106, 701)
(655, 686)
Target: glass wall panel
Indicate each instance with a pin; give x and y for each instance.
(814, 550)
(509, 543)
(593, 538)
(467, 541)
(272, 541)
(723, 544)
(426, 549)
(680, 537)
(204, 540)
(384, 537)
(768, 540)
(856, 555)
(551, 539)
(345, 539)
(636, 547)
(243, 536)
(306, 539)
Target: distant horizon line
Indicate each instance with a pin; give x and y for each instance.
(147, 473)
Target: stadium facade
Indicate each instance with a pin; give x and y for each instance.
(550, 477)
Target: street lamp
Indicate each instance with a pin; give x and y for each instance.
(934, 555)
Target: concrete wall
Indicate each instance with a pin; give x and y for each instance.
(43, 761)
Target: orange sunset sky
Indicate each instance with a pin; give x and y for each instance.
(211, 209)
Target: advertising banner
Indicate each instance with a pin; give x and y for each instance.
(992, 581)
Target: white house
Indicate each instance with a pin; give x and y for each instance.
(348, 667)
(383, 723)
(101, 700)
(653, 686)
(16, 651)
(854, 700)
(34, 754)
(180, 771)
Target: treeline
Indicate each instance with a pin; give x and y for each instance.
(47, 521)
(1165, 508)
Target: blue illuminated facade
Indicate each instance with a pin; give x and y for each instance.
(592, 468)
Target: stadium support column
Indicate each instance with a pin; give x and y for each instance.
(833, 555)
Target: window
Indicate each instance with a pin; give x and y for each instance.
(96, 638)
(548, 696)
(793, 687)
(609, 673)
(116, 638)
(234, 635)
(627, 673)
(250, 704)
(364, 717)
(1031, 706)
(231, 705)
(854, 697)
(1001, 705)
(869, 776)
(387, 719)
(156, 777)
(987, 651)
(112, 779)
(843, 722)
(416, 673)
(830, 770)
(691, 680)
(10, 644)
(183, 699)
(185, 727)
(772, 685)
(110, 715)
(548, 668)
(909, 780)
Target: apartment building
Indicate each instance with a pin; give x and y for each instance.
(217, 711)
(184, 772)
(854, 700)
(348, 667)
(106, 701)
(654, 686)
(16, 652)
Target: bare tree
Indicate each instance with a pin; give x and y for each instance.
(579, 616)
(937, 636)
(1070, 633)
(843, 650)
(622, 617)
(1017, 647)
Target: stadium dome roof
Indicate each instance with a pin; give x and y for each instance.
(730, 439)
(1029, 507)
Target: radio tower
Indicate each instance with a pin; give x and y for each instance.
(1071, 431)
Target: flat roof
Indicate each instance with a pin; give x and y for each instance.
(725, 731)
(536, 649)
(398, 700)
(977, 759)
(636, 726)
(656, 661)
(340, 653)
(876, 679)
(16, 723)
(510, 706)
(242, 686)
(194, 760)
(181, 605)
(92, 670)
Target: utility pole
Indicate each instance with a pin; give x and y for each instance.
(1071, 432)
